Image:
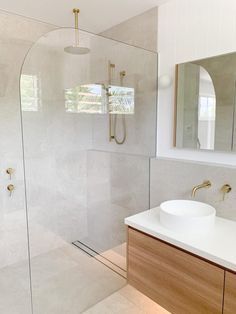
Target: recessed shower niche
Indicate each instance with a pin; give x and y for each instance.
(89, 129)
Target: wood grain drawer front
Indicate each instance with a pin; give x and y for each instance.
(230, 293)
(178, 281)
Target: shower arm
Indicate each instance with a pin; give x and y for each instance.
(76, 14)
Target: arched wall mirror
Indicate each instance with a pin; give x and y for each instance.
(205, 104)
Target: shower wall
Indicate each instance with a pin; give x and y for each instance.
(56, 144)
(118, 186)
(141, 127)
(16, 36)
(141, 131)
(118, 175)
(139, 31)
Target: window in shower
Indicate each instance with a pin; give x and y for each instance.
(121, 100)
(90, 98)
(30, 100)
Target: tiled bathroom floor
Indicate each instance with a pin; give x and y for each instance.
(68, 281)
(65, 280)
(117, 255)
(126, 301)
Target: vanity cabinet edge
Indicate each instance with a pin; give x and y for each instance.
(177, 280)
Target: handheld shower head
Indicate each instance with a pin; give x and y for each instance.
(76, 49)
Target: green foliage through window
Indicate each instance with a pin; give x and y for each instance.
(95, 98)
(29, 93)
(121, 100)
(85, 99)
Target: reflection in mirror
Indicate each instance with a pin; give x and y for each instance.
(205, 103)
(206, 111)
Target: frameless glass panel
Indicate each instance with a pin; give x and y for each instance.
(81, 185)
(15, 296)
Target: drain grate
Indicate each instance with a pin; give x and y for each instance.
(120, 271)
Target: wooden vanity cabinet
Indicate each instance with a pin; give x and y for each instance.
(230, 293)
(178, 281)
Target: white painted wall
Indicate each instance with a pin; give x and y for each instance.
(190, 30)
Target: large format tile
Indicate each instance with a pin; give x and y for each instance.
(116, 304)
(127, 300)
(174, 179)
(15, 295)
(67, 280)
(118, 186)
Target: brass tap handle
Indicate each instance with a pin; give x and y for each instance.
(10, 172)
(226, 188)
(11, 188)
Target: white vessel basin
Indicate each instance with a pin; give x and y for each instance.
(183, 215)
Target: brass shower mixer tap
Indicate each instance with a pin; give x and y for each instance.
(10, 172)
(10, 188)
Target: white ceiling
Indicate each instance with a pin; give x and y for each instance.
(96, 15)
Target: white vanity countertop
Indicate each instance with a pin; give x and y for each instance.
(218, 245)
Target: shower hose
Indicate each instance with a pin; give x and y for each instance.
(120, 142)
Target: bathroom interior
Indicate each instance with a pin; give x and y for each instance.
(118, 157)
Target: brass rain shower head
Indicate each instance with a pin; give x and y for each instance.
(76, 49)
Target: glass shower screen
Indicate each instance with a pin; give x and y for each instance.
(80, 182)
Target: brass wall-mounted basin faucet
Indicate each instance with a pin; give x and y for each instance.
(205, 184)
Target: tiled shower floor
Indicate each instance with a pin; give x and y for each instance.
(68, 281)
(81, 284)
(65, 280)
